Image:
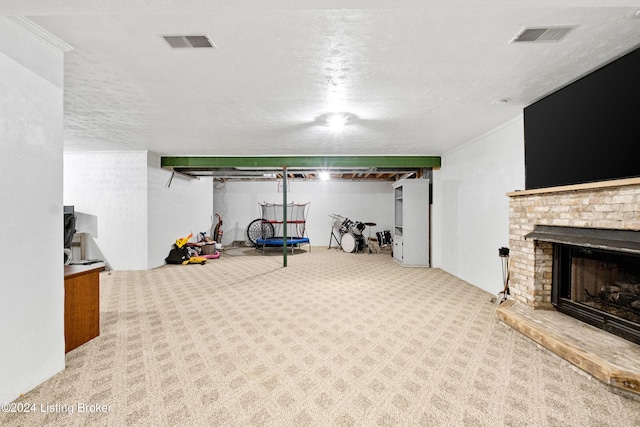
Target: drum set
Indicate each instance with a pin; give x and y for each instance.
(348, 234)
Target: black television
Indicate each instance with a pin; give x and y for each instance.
(587, 131)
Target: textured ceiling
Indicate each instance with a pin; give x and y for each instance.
(413, 77)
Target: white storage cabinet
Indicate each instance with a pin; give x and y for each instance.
(411, 222)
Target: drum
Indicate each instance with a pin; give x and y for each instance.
(352, 242)
(384, 237)
(357, 227)
(345, 227)
(348, 242)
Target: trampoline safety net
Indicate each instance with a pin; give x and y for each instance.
(296, 217)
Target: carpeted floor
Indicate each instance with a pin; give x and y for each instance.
(333, 339)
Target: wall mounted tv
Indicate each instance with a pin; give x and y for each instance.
(587, 131)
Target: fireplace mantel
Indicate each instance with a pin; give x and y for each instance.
(577, 187)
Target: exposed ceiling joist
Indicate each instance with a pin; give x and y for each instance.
(352, 168)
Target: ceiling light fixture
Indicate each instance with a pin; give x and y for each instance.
(336, 121)
(501, 101)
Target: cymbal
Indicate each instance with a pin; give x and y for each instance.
(370, 224)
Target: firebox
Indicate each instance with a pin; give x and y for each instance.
(596, 276)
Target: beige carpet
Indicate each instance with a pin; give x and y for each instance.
(334, 339)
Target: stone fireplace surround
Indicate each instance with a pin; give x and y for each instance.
(609, 205)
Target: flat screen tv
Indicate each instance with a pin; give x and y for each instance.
(587, 131)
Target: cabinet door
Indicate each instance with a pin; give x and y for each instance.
(397, 248)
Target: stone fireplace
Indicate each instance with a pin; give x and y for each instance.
(613, 205)
(540, 220)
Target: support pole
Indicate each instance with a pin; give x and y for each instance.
(284, 215)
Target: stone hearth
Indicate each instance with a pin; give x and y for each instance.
(610, 359)
(607, 205)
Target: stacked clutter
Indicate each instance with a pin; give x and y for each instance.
(185, 252)
(206, 246)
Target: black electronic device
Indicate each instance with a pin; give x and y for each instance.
(586, 131)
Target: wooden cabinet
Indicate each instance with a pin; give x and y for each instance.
(411, 222)
(81, 304)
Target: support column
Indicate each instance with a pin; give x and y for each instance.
(284, 215)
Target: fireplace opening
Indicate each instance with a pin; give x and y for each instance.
(600, 287)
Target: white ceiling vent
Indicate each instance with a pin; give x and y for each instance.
(188, 42)
(541, 34)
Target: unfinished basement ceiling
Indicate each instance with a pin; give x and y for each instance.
(307, 168)
(302, 174)
(408, 77)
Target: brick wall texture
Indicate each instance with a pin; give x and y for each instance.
(530, 262)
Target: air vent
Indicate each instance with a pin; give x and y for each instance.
(541, 34)
(188, 42)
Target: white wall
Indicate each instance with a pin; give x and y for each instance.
(238, 204)
(130, 215)
(174, 211)
(31, 222)
(470, 206)
(110, 188)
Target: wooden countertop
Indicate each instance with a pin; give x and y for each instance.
(78, 270)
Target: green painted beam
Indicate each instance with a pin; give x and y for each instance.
(302, 162)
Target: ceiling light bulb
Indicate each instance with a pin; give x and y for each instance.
(336, 121)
